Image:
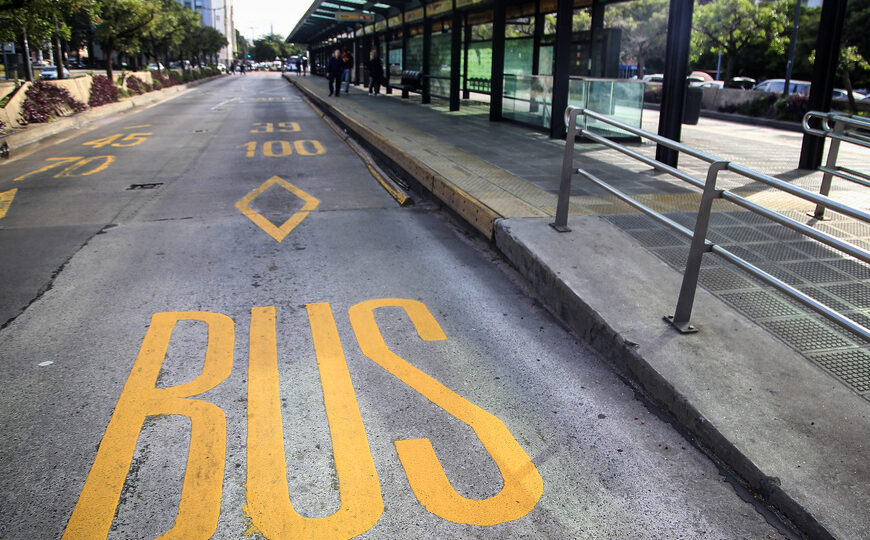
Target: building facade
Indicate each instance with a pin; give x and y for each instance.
(217, 14)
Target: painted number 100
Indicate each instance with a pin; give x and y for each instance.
(304, 147)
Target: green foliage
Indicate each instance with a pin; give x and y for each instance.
(730, 27)
(644, 25)
(272, 46)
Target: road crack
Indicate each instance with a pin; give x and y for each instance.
(49, 285)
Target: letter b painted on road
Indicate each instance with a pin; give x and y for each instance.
(199, 508)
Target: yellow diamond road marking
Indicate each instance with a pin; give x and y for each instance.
(6, 201)
(278, 233)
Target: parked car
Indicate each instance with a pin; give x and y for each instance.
(50, 72)
(840, 93)
(710, 84)
(655, 77)
(777, 86)
(744, 83)
(155, 67)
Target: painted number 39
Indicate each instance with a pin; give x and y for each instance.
(268, 499)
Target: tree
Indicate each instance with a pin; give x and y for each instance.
(644, 25)
(269, 47)
(729, 27)
(39, 21)
(121, 25)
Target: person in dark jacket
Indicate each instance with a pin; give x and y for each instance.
(334, 69)
(376, 73)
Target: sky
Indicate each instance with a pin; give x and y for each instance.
(262, 15)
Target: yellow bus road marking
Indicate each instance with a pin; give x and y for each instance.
(523, 485)
(199, 508)
(139, 126)
(278, 233)
(6, 201)
(268, 502)
(68, 172)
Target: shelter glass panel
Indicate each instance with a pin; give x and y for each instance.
(439, 65)
(395, 59)
(518, 56)
(528, 99)
(619, 99)
(414, 58)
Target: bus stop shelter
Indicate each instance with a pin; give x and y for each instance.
(528, 58)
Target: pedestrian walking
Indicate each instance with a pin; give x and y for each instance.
(334, 69)
(242, 68)
(304, 64)
(347, 60)
(376, 73)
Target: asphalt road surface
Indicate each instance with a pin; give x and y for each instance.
(216, 323)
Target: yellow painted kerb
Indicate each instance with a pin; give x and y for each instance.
(279, 232)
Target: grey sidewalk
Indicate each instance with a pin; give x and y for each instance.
(773, 391)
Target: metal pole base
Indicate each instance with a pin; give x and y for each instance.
(819, 218)
(683, 328)
(560, 228)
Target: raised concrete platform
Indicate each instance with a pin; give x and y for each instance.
(768, 409)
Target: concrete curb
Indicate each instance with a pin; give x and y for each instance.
(565, 303)
(480, 216)
(37, 132)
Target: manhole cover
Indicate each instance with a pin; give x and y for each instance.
(154, 185)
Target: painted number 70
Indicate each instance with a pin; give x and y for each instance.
(268, 499)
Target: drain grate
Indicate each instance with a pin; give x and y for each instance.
(852, 366)
(153, 185)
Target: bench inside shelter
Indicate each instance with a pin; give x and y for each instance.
(412, 81)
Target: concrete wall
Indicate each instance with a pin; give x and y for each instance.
(714, 98)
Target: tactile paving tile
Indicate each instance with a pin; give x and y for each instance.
(853, 228)
(852, 267)
(749, 217)
(759, 304)
(834, 302)
(781, 232)
(778, 272)
(676, 257)
(805, 334)
(633, 221)
(780, 251)
(851, 365)
(814, 250)
(658, 238)
(743, 234)
(721, 278)
(816, 272)
(857, 294)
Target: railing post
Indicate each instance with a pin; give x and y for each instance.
(561, 223)
(830, 165)
(680, 319)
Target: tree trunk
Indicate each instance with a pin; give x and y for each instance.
(58, 51)
(640, 67)
(109, 72)
(28, 69)
(729, 67)
(847, 82)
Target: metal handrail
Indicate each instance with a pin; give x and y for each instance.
(839, 128)
(700, 244)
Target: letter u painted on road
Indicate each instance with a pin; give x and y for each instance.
(269, 505)
(199, 508)
(523, 485)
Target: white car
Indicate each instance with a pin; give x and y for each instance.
(155, 67)
(655, 77)
(50, 73)
(709, 84)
